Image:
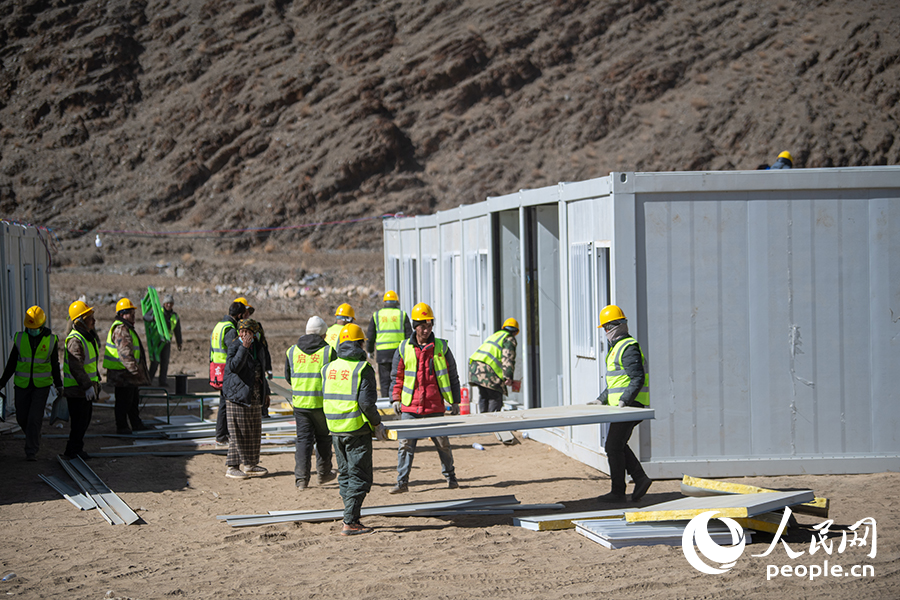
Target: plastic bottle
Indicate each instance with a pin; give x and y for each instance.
(8, 577)
(477, 446)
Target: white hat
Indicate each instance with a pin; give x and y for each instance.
(317, 326)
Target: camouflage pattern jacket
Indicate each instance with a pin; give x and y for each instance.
(482, 374)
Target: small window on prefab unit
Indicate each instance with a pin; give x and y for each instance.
(450, 282)
(602, 294)
(582, 309)
(393, 276)
(429, 271)
(411, 289)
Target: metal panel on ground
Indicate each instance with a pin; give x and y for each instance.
(734, 506)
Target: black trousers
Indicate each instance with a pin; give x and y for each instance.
(30, 402)
(163, 365)
(127, 408)
(312, 433)
(620, 456)
(489, 400)
(222, 421)
(80, 412)
(385, 379)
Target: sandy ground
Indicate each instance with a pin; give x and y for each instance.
(182, 550)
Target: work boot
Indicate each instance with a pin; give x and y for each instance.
(640, 488)
(324, 478)
(235, 473)
(612, 498)
(452, 483)
(355, 529)
(302, 484)
(399, 488)
(84, 455)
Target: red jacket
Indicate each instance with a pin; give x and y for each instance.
(427, 399)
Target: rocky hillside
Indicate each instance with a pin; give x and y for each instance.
(167, 115)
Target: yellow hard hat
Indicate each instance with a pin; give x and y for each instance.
(786, 155)
(35, 317)
(610, 313)
(351, 332)
(391, 296)
(422, 312)
(124, 304)
(510, 322)
(79, 309)
(243, 301)
(346, 311)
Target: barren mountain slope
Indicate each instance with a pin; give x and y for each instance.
(157, 115)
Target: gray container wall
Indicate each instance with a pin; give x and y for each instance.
(771, 326)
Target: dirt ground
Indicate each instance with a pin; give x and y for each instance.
(181, 549)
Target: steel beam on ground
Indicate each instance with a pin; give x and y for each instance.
(102, 507)
(395, 510)
(514, 420)
(77, 498)
(127, 515)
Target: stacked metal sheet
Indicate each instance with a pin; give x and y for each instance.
(95, 493)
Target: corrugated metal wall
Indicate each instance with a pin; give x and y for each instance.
(769, 323)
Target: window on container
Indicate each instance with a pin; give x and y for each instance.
(602, 294)
(410, 290)
(12, 310)
(28, 285)
(429, 267)
(393, 275)
(448, 309)
(583, 320)
(483, 293)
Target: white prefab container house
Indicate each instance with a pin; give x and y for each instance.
(24, 254)
(767, 304)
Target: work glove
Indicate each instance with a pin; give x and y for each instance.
(397, 407)
(454, 409)
(269, 374)
(179, 347)
(380, 433)
(603, 398)
(90, 394)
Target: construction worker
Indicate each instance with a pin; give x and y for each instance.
(33, 364)
(627, 385)
(348, 388)
(245, 388)
(267, 357)
(389, 326)
(426, 381)
(491, 367)
(126, 367)
(161, 358)
(784, 161)
(303, 372)
(81, 375)
(222, 335)
(342, 316)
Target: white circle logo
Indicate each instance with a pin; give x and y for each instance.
(697, 533)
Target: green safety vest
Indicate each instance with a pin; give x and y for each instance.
(340, 390)
(173, 322)
(617, 379)
(111, 360)
(91, 362)
(331, 336)
(218, 353)
(491, 352)
(408, 352)
(306, 376)
(389, 328)
(34, 367)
